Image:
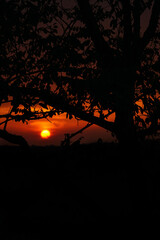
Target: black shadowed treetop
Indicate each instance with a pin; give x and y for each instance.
(90, 59)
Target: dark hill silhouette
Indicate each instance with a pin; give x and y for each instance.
(78, 185)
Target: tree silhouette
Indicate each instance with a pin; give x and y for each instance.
(90, 59)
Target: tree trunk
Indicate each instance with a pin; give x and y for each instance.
(125, 129)
(127, 138)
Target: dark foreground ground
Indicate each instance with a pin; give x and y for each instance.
(84, 184)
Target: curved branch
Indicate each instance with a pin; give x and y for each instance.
(61, 104)
(15, 139)
(149, 33)
(94, 120)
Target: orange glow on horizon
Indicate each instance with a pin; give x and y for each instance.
(57, 126)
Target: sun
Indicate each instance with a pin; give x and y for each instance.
(45, 133)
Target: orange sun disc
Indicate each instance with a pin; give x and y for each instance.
(45, 134)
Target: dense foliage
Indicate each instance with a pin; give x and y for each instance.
(90, 59)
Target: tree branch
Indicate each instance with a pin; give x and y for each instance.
(127, 27)
(149, 33)
(136, 15)
(80, 131)
(93, 119)
(13, 138)
(61, 104)
(64, 106)
(104, 52)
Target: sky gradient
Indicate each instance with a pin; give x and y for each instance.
(59, 126)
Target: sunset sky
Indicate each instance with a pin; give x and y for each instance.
(59, 125)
